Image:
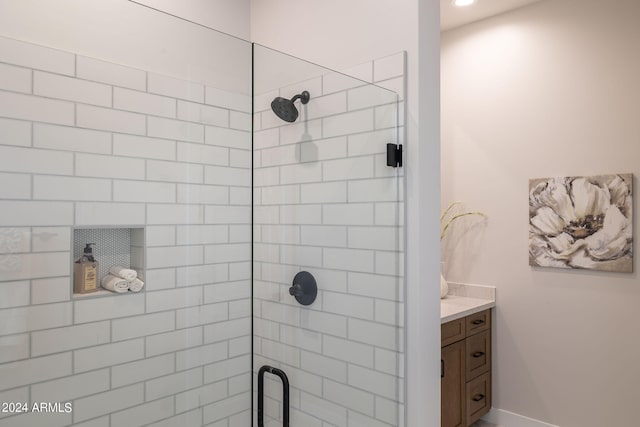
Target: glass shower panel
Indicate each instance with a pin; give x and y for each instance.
(326, 203)
(141, 144)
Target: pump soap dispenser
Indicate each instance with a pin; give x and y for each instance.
(85, 271)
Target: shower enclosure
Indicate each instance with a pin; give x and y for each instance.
(169, 157)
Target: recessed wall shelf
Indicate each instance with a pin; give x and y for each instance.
(113, 246)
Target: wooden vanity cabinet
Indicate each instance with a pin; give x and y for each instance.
(465, 369)
(453, 385)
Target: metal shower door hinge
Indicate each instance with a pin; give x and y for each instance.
(394, 155)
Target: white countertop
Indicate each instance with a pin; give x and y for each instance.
(465, 299)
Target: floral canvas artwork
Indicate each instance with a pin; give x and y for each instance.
(582, 222)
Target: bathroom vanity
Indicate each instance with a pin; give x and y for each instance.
(465, 365)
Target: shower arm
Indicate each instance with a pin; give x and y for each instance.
(303, 97)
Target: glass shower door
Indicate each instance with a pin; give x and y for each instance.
(133, 135)
(326, 206)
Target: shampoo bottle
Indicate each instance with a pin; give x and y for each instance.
(85, 271)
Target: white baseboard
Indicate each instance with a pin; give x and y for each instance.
(503, 418)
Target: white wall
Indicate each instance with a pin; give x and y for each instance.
(334, 33)
(338, 34)
(126, 33)
(548, 90)
(229, 16)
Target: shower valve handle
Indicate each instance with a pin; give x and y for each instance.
(296, 290)
(304, 288)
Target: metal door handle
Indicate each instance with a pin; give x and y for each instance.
(285, 394)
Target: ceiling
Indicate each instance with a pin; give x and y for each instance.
(452, 16)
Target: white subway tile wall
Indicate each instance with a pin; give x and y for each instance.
(326, 202)
(84, 142)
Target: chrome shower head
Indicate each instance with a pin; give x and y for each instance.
(285, 109)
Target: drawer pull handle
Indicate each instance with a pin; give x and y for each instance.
(477, 397)
(478, 354)
(478, 322)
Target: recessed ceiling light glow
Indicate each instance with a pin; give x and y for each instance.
(463, 3)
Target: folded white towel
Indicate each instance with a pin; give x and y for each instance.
(136, 285)
(115, 284)
(123, 273)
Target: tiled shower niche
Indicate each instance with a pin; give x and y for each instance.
(113, 246)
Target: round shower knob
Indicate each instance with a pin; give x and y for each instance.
(304, 288)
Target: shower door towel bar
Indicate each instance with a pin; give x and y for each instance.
(285, 394)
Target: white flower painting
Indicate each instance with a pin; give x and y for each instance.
(582, 222)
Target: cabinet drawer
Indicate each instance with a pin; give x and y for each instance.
(478, 397)
(478, 322)
(478, 360)
(451, 332)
